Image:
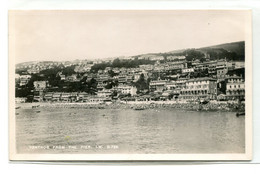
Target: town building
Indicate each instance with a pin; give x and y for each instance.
(101, 86)
(148, 67)
(156, 58)
(175, 65)
(102, 78)
(83, 96)
(83, 68)
(122, 79)
(181, 82)
(221, 73)
(48, 96)
(20, 100)
(235, 88)
(127, 89)
(157, 85)
(187, 70)
(236, 72)
(73, 96)
(104, 93)
(239, 64)
(62, 77)
(56, 96)
(39, 89)
(33, 71)
(65, 97)
(72, 78)
(40, 85)
(200, 88)
(212, 70)
(201, 66)
(170, 85)
(96, 99)
(24, 79)
(172, 58)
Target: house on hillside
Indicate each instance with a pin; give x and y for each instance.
(157, 85)
(126, 89)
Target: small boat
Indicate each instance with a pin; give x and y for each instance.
(240, 114)
(203, 102)
(138, 108)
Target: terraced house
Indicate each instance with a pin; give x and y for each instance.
(235, 88)
(126, 89)
(199, 88)
(157, 85)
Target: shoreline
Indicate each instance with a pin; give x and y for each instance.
(211, 106)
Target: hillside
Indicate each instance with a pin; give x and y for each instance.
(232, 51)
(237, 47)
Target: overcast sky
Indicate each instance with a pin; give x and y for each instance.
(70, 35)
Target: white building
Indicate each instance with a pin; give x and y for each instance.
(24, 79)
(200, 88)
(126, 89)
(20, 100)
(104, 93)
(157, 85)
(235, 88)
(187, 70)
(169, 58)
(40, 85)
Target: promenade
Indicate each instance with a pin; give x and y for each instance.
(211, 106)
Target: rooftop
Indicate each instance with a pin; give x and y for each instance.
(202, 79)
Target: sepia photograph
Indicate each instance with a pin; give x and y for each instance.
(130, 85)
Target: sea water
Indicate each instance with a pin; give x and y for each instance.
(74, 130)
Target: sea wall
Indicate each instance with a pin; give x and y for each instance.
(211, 106)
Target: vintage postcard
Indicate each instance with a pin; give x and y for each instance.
(106, 85)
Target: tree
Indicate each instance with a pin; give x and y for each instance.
(192, 54)
(141, 83)
(114, 94)
(100, 66)
(112, 73)
(92, 86)
(67, 71)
